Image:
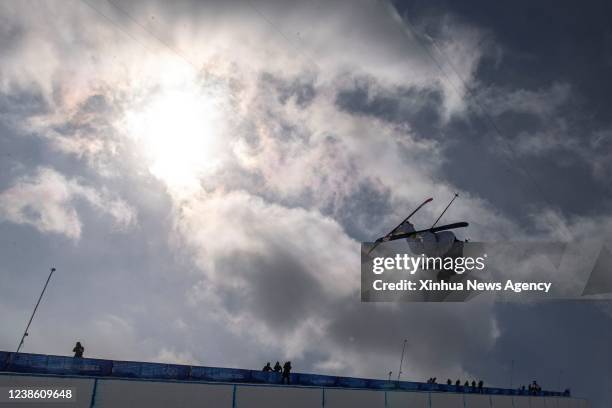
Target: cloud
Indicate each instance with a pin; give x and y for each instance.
(48, 201)
(541, 102)
(287, 279)
(335, 123)
(173, 357)
(277, 274)
(302, 173)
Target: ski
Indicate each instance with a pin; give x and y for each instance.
(388, 236)
(432, 230)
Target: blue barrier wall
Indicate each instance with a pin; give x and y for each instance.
(90, 367)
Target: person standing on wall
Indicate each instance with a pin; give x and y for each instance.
(78, 350)
(286, 372)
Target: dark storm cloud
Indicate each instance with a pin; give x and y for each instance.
(417, 108)
(279, 289)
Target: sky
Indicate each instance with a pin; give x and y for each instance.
(202, 173)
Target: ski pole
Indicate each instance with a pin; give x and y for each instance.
(449, 204)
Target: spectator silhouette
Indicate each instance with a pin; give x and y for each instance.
(267, 367)
(286, 372)
(78, 350)
(449, 382)
(467, 384)
(480, 384)
(458, 383)
(277, 367)
(473, 385)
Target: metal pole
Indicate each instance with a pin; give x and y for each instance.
(401, 360)
(25, 333)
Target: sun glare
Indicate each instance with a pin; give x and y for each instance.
(177, 130)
